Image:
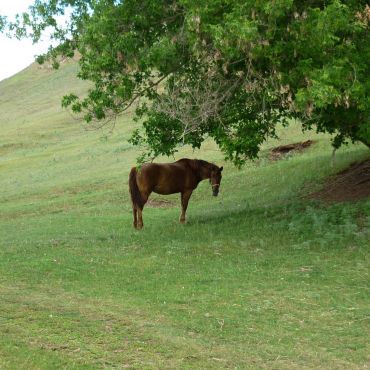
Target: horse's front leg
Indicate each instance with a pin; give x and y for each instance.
(185, 196)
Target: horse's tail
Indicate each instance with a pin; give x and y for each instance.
(134, 190)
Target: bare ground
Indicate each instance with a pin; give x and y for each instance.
(281, 151)
(160, 203)
(351, 184)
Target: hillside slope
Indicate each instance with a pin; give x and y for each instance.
(260, 277)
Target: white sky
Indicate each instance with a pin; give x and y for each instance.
(16, 55)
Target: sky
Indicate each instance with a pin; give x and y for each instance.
(17, 55)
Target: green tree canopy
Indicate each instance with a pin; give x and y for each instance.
(226, 69)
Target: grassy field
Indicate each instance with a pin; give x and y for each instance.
(261, 277)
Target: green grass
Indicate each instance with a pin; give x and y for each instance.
(260, 278)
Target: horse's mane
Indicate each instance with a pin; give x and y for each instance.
(198, 164)
(202, 163)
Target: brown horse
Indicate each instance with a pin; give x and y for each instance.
(182, 177)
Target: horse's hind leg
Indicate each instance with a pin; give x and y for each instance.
(140, 223)
(134, 211)
(185, 196)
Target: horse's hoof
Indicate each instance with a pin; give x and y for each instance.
(183, 222)
(138, 226)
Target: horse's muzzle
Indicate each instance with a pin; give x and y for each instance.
(215, 189)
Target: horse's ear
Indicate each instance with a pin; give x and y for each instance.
(221, 168)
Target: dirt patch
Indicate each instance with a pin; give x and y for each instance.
(351, 184)
(281, 151)
(159, 203)
(9, 148)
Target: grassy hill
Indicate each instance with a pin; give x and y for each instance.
(260, 277)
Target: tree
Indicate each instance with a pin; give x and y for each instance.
(226, 69)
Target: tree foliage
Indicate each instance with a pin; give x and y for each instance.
(226, 69)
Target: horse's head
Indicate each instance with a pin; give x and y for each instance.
(215, 179)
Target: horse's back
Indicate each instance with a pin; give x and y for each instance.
(163, 178)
